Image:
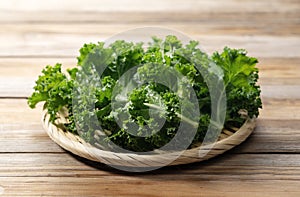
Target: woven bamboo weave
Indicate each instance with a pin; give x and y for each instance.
(73, 143)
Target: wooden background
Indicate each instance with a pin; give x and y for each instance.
(35, 33)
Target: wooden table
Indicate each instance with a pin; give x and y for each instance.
(36, 33)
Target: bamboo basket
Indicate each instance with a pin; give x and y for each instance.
(76, 145)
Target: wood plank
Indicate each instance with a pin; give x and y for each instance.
(31, 67)
(281, 91)
(138, 17)
(64, 175)
(286, 70)
(67, 45)
(280, 109)
(18, 76)
(155, 5)
(225, 167)
(191, 25)
(188, 22)
(49, 186)
(14, 111)
(272, 136)
(26, 138)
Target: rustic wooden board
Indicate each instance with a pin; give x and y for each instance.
(127, 186)
(198, 24)
(67, 45)
(36, 33)
(45, 174)
(230, 6)
(227, 167)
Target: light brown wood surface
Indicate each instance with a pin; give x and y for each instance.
(36, 33)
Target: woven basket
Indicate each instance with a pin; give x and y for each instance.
(73, 143)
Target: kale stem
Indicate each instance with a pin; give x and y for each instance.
(187, 120)
(182, 117)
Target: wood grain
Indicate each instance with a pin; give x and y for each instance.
(191, 23)
(227, 167)
(230, 6)
(67, 45)
(37, 33)
(43, 173)
(77, 186)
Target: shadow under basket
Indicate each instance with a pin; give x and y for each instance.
(76, 145)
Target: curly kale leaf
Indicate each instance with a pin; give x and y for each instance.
(154, 98)
(54, 88)
(240, 78)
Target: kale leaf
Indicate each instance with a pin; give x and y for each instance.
(124, 87)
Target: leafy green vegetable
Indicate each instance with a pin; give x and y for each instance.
(240, 77)
(123, 88)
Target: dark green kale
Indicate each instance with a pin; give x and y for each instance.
(124, 87)
(240, 77)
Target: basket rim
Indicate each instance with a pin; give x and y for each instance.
(73, 143)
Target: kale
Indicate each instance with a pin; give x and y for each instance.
(137, 97)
